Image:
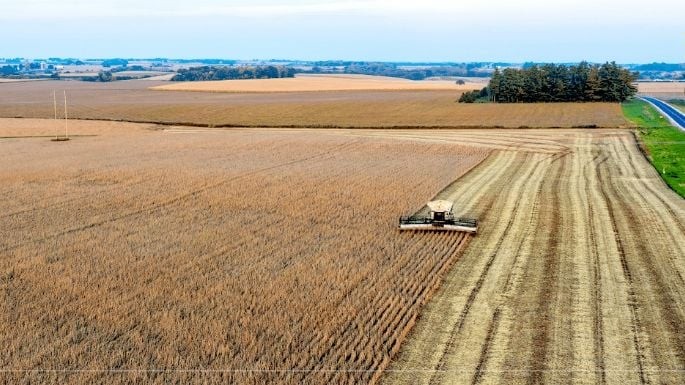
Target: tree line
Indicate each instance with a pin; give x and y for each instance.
(406, 72)
(583, 82)
(231, 73)
(7, 70)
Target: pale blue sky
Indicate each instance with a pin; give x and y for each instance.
(627, 31)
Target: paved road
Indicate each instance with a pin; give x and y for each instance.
(674, 115)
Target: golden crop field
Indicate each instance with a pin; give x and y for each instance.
(309, 83)
(230, 256)
(256, 256)
(133, 101)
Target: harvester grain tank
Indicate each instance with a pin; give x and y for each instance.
(439, 218)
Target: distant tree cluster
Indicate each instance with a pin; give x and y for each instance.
(561, 83)
(7, 70)
(395, 70)
(231, 73)
(129, 68)
(65, 61)
(103, 76)
(665, 67)
(114, 62)
(660, 71)
(202, 61)
(474, 96)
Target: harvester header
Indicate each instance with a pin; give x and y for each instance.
(439, 218)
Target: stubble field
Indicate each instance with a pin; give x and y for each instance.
(664, 90)
(575, 277)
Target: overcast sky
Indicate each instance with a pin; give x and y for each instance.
(627, 31)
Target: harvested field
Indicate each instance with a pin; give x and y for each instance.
(165, 77)
(234, 256)
(647, 87)
(576, 275)
(309, 83)
(665, 90)
(5, 80)
(49, 128)
(133, 101)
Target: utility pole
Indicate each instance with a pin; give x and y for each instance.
(66, 118)
(54, 104)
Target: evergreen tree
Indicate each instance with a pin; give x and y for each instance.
(560, 83)
(592, 86)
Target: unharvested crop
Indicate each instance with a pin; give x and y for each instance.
(227, 256)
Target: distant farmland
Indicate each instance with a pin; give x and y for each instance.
(666, 90)
(313, 83)
(133, 101)
(660, 87)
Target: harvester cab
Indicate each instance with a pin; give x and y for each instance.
(439, 218)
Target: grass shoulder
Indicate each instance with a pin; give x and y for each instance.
(663, 143)
(678, 103)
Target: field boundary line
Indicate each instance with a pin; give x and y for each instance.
(321, 126)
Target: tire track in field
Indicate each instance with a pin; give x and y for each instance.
(507, 283)
(508, 288)
(571, 322)
(517, 191)
(645, 256)
(616, 337)
(491, 177)
(440, 366)
(665, 231)
(674, 220)
(629, 148)
(598, 320)
(636, 324)
(658, 230)
(510, 143)
(494, 324)
(182, 197)
(609, 311)
(548, 288)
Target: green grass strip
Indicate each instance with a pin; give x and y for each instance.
(678, 103)
(664, 144)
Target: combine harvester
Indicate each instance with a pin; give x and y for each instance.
(440, 218)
